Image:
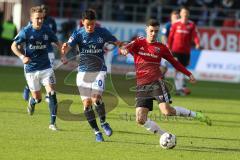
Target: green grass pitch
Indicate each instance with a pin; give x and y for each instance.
(24, 137)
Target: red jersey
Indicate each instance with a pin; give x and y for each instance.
(181, 36)
(147, 57)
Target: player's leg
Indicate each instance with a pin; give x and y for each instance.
(167, 110)
(179, 78)
(48, 80)
(53, 105)
(100, 108)
(34, 85)
(84, 86)
(163, 97)
(144, 104)
(96, 94)
(51, 57)
(36, 98)
(148, 124)
(91, 118)
(26, 92)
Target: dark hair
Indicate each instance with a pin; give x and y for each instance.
(153, 22)
(36, 9)
(89, 14)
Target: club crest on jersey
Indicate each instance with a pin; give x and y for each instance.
(45, 37)
(157, 50)
(31, 37)
(99, 40)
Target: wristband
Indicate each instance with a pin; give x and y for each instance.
(21, 57)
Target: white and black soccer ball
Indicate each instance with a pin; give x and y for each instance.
(168, 141)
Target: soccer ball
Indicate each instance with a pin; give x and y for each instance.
(168, 141)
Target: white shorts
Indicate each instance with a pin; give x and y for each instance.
(38, 78)
(90, 83)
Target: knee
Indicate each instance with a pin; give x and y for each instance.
(97, 99)
(140, 120)
(87, 102)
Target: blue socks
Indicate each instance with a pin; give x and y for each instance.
(100, 108)
(52, 106)
(90, 115)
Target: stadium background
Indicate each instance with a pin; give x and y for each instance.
(218, 24)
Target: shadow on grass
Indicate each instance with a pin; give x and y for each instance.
(133, 133)
(207, 149)
(211, 138)
(131, 142)
(181, 147)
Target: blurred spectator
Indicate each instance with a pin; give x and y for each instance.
(9, 31)
(203, 16)
(182, 33)
(120, 10)
(166, 29)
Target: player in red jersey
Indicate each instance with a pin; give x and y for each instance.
(182, 33)
(147, 54)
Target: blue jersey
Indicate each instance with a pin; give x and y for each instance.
(91, 48)
(166, 30)
(36, 45)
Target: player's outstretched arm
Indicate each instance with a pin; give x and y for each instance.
(17, 51)
(64, 50)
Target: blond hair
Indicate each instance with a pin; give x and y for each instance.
(36, 9)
